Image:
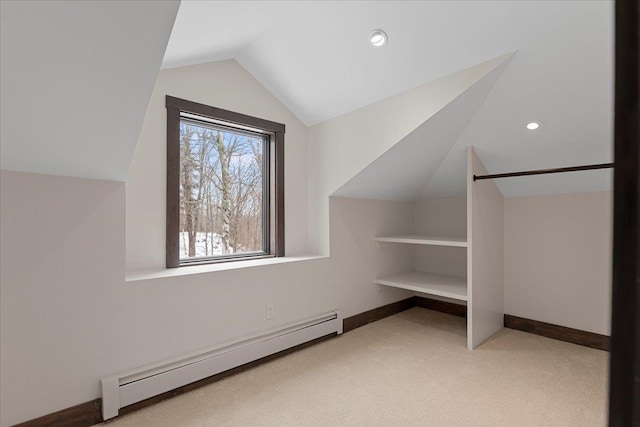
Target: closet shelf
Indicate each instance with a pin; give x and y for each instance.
(428, 283)
(425, 240)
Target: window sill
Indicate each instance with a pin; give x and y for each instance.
(211, 268)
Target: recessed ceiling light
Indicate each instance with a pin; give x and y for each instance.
(378, 38)
(534, 125)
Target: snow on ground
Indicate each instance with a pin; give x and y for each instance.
(207, 244)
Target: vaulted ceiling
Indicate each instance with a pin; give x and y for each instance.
(68, 65)
(404, 171)
(76, 80)
(315, 57)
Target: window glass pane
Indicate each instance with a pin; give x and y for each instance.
(222, 196)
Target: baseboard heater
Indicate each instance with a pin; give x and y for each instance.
(137, 385)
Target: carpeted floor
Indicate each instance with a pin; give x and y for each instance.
(411, 369)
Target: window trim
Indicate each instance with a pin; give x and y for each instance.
(176, 106)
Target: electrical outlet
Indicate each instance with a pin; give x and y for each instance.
(270, 311)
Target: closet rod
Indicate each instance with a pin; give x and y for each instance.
(544, 171)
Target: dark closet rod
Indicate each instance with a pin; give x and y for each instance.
(544, 171)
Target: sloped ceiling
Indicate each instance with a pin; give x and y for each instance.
(76, 78)
(430, 162)
(577, 115)
(84, 71)
(315, 58)
(403, 171)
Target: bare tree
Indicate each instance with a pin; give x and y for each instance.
(221, 185)
(189, 205)
(225, 188)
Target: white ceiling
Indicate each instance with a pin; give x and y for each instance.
(85, 70)
(403, 171)
(314, 56)
(76, 80)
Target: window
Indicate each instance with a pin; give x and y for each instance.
(225, 185)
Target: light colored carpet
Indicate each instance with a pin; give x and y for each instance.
(411, 369)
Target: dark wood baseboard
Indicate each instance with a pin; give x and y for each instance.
(353, 322)
(82, 415)
(90, 413)
(562, 333)
(444, 307)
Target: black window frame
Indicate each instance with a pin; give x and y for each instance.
(273, 219)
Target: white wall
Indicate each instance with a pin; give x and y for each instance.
(79, 69)
(557, 255)
(341, 147)
(224, 85)
(441, 217)
(69, 316)
(485, 254)
(62, 291)
(558, 259)
(356, 259)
